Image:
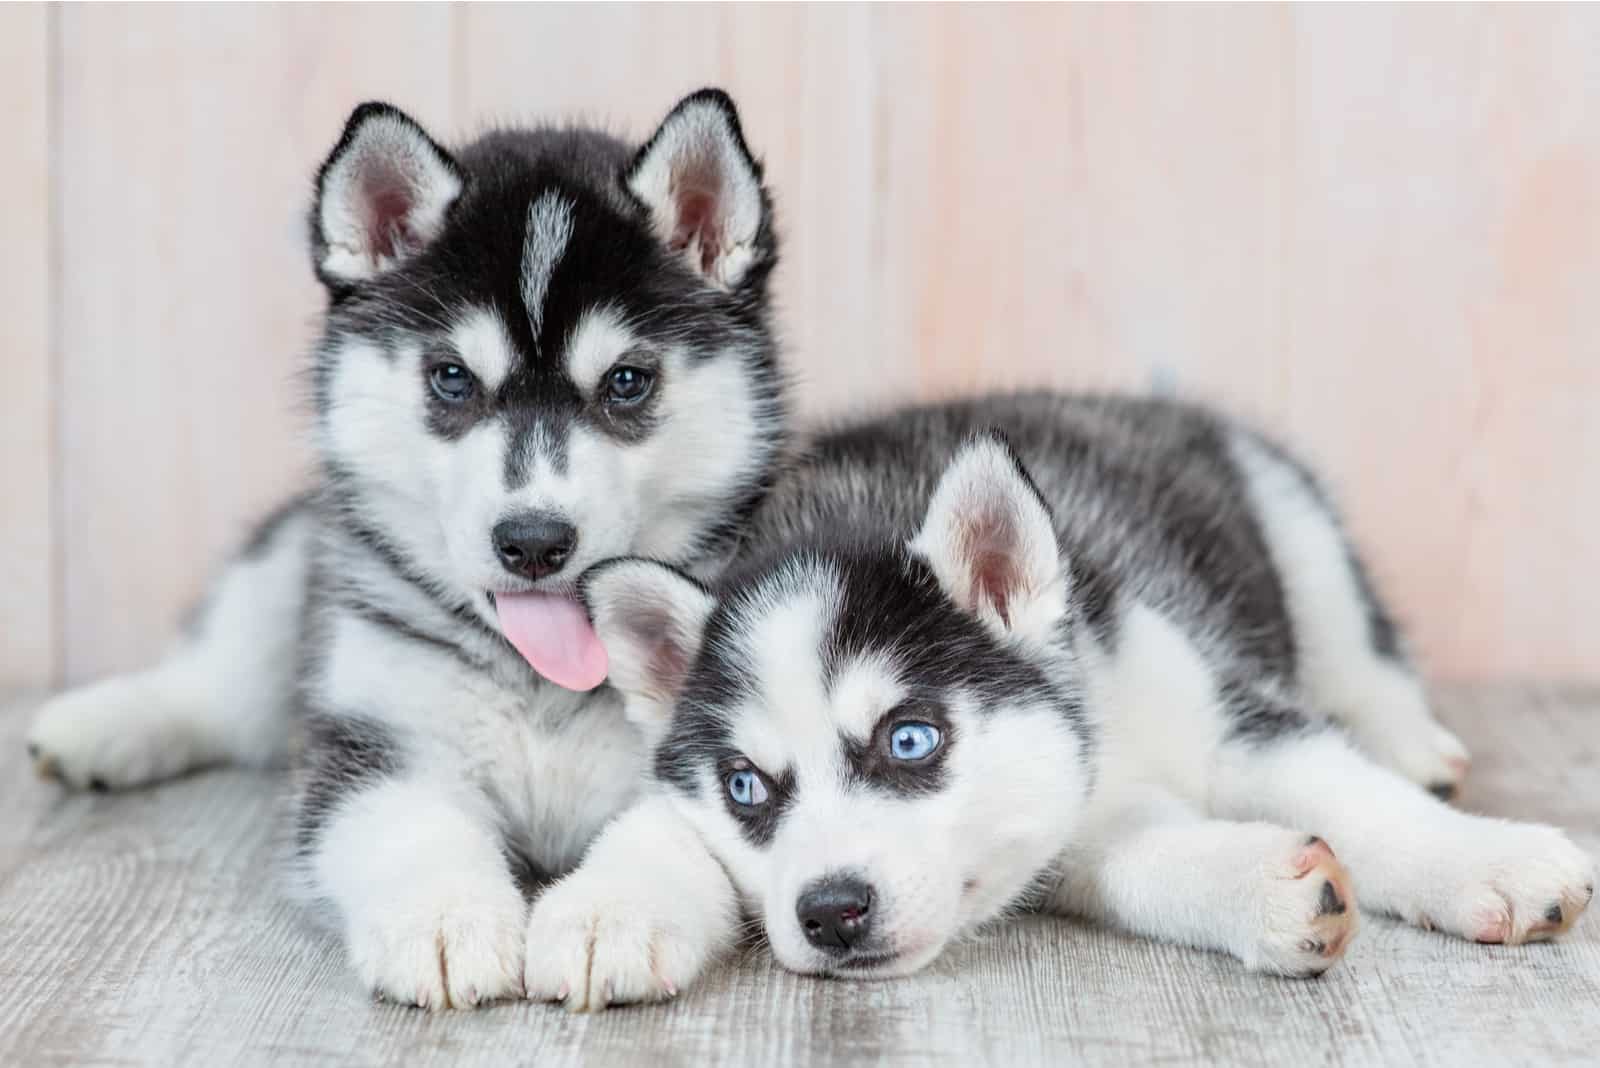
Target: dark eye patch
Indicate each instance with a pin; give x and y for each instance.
(873, 763)
(626, 401)
(759, 823)
(450, 417)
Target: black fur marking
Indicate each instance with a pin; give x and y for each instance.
(266, 532)
(1094, 596)
(1382, 632)
(1381, 629)
(1258, 718)
(98, 785)
(401, 629)
(392, 557)
(873, 764)
(1330, 904)
(758, 822)
(452, 419)
(343, 754)
(531, 876)
(698, 738)
(33, 751)
(628, 422)
(1444, 791)
(891, 603)
(699, 735)
(536, 430)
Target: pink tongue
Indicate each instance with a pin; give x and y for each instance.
(554, 635)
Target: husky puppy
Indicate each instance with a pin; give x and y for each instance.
(1088, 671)
(540, 350)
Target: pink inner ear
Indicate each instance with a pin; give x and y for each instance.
(668, 660)
(388, 200)
(696, 191)
(994, 578)
(989, 545)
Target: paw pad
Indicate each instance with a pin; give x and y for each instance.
(1314, 852)
(1330, 903)
(1493, 930)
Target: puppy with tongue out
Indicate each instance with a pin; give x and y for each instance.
(553, 633)
(544, 349)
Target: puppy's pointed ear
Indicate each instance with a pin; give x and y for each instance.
(382, 196)
(650, 618)
(991, 542)
(703, 189)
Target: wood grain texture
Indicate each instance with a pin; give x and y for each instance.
(27, 533)
(1372, 230)
(144, 929)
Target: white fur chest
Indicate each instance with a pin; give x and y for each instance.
(558, 766)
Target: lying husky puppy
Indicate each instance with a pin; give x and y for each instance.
(541, 350)
(1087, 676)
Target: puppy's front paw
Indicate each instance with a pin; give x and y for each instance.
(1308, 911)
(591, 945)
(456, 945)
(1510, 883)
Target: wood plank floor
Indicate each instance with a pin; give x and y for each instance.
(150, 929)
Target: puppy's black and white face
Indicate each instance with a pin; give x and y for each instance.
(882, 744)
(544, 350)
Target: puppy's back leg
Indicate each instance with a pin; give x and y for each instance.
(1278, 899)
(1413, 856)
(1350, 660)
(222, 694)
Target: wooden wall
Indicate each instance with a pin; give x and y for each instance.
(1375, 230)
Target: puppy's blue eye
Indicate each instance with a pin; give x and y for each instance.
(746, 788)
(452, 382)
(914, 741)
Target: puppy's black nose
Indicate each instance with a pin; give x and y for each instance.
(835, 912)
(534, 544)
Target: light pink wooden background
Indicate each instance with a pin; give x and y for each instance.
(1375, 231)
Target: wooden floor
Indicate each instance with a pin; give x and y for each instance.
(148, 929)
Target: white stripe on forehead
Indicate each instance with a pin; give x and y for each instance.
(549, 230)
(782, 637)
